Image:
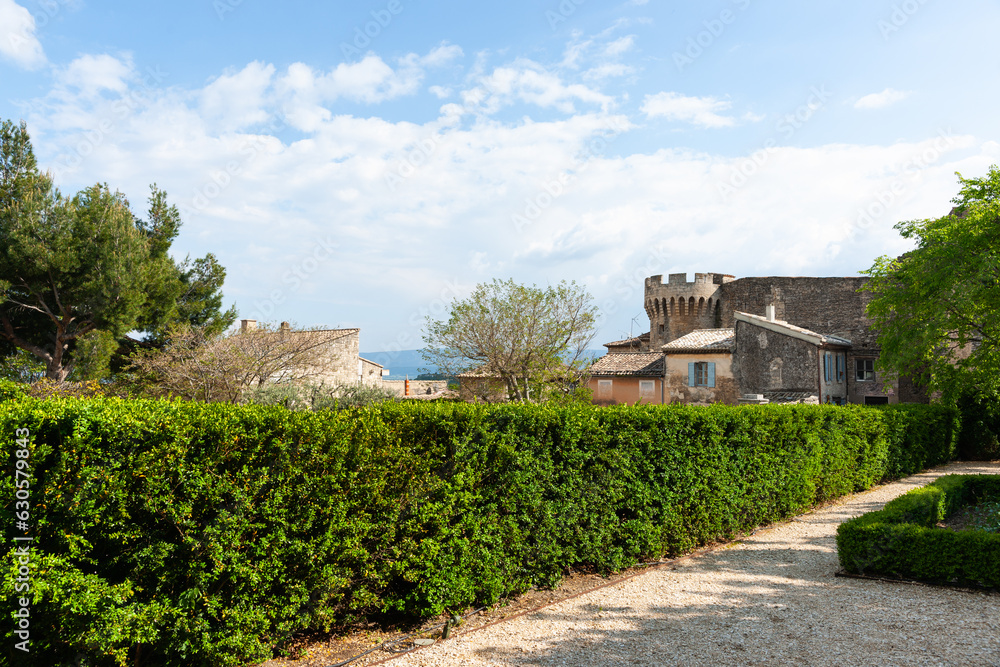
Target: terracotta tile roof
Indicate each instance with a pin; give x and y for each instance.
(634, 341)
(704, 340)
(781, 324)
(645, 364)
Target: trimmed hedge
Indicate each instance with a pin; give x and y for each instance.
(170, 533)
(980, 414)
(902, 539)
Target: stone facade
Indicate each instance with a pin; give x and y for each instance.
(339, 360)
(679, 385)
(776, 362)
(781, 359)
(417, 387)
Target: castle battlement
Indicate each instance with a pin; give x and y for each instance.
(678, 307)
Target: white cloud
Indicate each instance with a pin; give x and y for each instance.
(18, 41)
(699, 111)
(886, 98)
(529, 82)
(238, 100)
(93, 74)
(598, 208)
(607, 71)
(620, 46)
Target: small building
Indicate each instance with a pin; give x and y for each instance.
(333, 358)
(630, 377)
(788, 363)
(699, 368)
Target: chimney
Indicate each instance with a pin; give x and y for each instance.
(285, 326)
(248, 325)
(769, 312)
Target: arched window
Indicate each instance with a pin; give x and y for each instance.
(701, 306)
(691, 306)
(673, 306)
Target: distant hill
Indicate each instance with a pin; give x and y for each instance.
(409, 363)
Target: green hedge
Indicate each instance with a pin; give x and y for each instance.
(979, 438)
(194, 534)
(902, 539)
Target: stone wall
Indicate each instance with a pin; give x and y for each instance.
(678, 307)
(339, 357)
(371, 373)
(770, 361)
(678, 391)
(417, 387)
(824, 305)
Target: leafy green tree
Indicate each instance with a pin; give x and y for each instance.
(70, 267)
(529, 340)
(937, 308)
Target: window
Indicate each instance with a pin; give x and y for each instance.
(701, 374)
(828, 367)
(864, 369)
(646, 388)
(604, 388)
(876, 400)
(841, 367)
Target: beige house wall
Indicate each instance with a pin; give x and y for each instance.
(677, 389)
(625, 390)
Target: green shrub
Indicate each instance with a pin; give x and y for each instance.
(980, 414)
(183, 533)
(11, 390)
(902, 539)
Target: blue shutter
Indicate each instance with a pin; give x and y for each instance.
(711, 374)
(826, 367)
(691, 374)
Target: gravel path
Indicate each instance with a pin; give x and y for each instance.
(772, 599)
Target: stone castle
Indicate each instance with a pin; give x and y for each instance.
(720, 338)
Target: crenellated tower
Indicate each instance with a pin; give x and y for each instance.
(677, 307)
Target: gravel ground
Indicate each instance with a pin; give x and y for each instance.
(770, 599)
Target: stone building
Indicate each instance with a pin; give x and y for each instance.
(699, 367)
(338, 362)
(790, 338)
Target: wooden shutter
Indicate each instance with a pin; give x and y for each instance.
(691, 374)
(711, 374)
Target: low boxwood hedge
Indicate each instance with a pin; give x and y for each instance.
(171, 533)
(903, 540)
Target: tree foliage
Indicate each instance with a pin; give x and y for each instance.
(196, 365)
(937, 308)
(77, 272)
(529, 340)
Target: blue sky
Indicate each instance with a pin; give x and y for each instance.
(363, 164)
